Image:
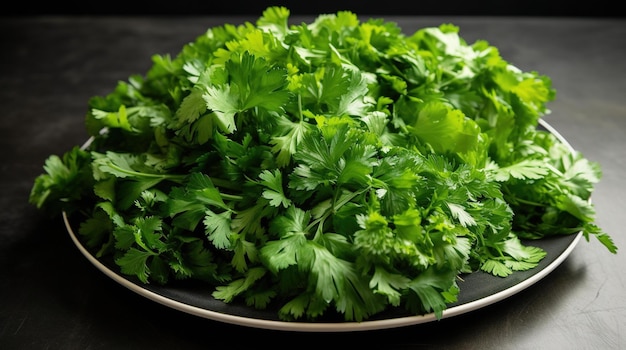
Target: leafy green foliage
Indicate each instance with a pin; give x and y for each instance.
(337, 167)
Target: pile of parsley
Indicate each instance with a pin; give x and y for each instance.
(337, 166)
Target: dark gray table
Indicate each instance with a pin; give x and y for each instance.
(51, 297)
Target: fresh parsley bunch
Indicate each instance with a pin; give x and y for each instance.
(337, 166)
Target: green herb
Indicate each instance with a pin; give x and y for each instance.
(337, 166)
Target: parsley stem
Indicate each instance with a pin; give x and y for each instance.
(525, 201)
(233, 197)
(513, 198)
(175, 177)
(338, 203)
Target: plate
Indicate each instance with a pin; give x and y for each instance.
(478, 290)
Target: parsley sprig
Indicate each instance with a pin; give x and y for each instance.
(337, 166)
